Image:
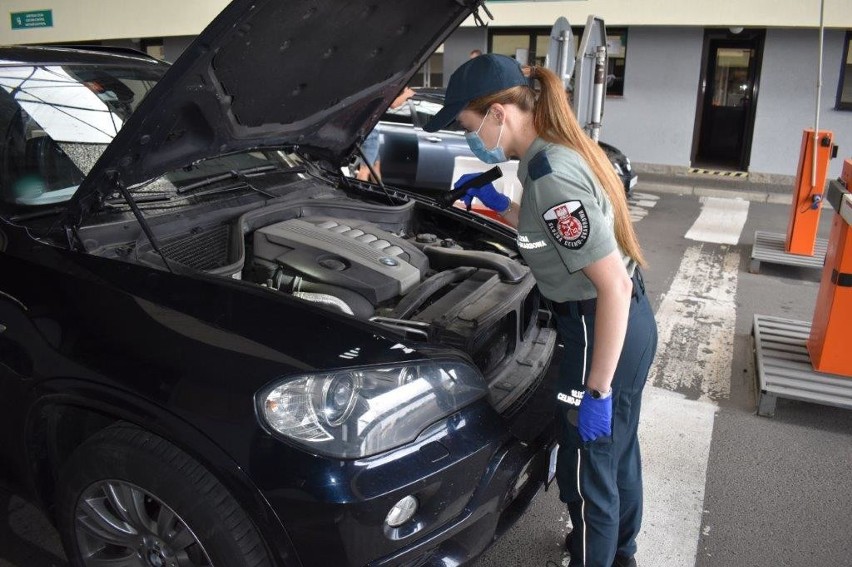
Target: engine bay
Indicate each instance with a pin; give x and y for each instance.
(405, 268)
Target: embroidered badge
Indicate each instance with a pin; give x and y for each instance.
(569, 224)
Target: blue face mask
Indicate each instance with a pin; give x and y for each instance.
(477, 146)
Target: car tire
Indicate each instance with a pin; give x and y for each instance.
(127, 493)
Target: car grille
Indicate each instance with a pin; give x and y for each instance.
(529, 312)
(492, 347)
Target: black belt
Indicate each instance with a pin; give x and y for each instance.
(589, 306)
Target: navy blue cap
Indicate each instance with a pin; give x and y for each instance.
(477, 77)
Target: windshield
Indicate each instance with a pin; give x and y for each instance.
(56, 121)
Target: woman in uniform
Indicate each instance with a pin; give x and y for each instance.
(575, 234)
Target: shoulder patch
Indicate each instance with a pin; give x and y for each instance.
(569, 224)
(539, 166)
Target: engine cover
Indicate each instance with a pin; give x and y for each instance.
(353, 254)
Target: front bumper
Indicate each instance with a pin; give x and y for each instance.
(512, 479)
(471, 476)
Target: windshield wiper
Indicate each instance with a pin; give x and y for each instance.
(142, 198)
(242, 175)
(37, 214)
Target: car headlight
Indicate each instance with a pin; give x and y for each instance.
(363, 411)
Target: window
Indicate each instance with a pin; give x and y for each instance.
(399, 115)
(844, 89)
(616, 48)
(427, 107)
(529, 46)
(616, 55)
(57, 120)
(431, 74)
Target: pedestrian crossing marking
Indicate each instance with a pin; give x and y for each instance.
(675, 434)
(696, 321)
(721, 221)
(639, 203)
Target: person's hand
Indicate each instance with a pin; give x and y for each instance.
(406, 94)
(489, 196)
(595, 417)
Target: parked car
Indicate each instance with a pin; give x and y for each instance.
(215, 349)
(411, 156)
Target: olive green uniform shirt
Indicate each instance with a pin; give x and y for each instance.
(565, 221)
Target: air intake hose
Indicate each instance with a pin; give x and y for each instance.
(445, 258)
(345, 300)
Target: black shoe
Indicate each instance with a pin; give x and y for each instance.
(620, 560)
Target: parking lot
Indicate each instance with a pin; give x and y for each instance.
(723, 486)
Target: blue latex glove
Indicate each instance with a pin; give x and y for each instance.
(489, 196)
(595, 418)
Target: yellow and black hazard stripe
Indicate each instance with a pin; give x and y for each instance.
(700, 171)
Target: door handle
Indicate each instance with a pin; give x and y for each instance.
(2, 328)
(433, 139)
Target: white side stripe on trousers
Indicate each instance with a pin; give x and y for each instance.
(579, 453)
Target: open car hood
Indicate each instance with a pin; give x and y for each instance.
(310, 73)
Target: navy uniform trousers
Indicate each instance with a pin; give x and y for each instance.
(601, 481)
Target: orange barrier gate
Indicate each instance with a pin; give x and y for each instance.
(805, 210)
(830, 341)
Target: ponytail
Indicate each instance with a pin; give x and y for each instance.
(554, 121)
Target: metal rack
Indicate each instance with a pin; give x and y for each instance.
(770, 247)
(784, 368)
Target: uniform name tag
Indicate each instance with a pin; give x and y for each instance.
(525, 242)
(568, 223)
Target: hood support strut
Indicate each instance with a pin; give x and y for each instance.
(146, 228)
(373, 172)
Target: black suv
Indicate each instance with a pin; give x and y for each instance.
(215, 349)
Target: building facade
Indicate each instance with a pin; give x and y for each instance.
(721, 84)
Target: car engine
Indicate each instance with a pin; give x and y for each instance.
(429, 288)
(389, 266)
(357, 263)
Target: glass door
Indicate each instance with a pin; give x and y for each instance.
(727, 113)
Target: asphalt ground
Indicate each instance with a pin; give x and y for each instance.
(724, 487)
(769, 492)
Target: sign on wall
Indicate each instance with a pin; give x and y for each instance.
(32, 19)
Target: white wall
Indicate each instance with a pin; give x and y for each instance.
(786, 104)
(654, 121)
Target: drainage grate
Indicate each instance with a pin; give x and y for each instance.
(203, 251)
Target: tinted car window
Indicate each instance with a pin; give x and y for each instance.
(399, 115)
(55, 121)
